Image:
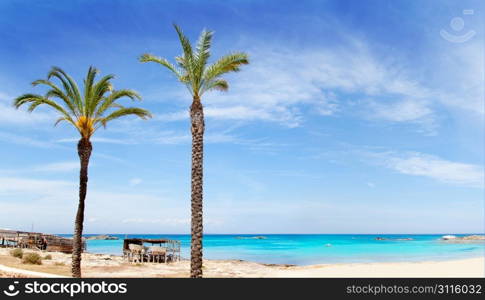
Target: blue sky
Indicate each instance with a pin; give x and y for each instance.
(353, 117)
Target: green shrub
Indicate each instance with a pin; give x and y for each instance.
(32, 258)
(17, 253)
(59, 263)
(48, 256)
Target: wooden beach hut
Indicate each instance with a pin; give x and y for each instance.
(36, 240)
(160, 250)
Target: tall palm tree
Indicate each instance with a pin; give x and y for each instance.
(193, 71)
(87, 112)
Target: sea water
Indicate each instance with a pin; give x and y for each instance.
(305, 249)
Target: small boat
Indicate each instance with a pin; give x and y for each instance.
(448, 237)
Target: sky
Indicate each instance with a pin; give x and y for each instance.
(352, 117)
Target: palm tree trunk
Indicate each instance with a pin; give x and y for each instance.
(197, 120)
(84, 149)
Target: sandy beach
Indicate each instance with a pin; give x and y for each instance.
(98, 265)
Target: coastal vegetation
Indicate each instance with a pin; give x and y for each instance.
(32, 258)
(18, 253)
(86, 111)
(28, 257)
(193, 71)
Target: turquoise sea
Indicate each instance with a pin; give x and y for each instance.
(305, 249)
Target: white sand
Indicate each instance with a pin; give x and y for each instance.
(27, 273)
(473, 267)
(95, 265)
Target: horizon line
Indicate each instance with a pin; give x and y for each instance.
(374, 233)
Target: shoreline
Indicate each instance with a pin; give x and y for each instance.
(412, 260)
(112, 266)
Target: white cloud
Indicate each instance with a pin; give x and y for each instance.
(98, 140)
(175, 116)
(23, 140)
(224, 137)
(221, 137)
(137, 134)
(286, 115)
(67, 166)
(402, 111)
(461, 76)
(283, 85)
(111, 141)
(12, 116)
(178, 138)
(172, 222)
(414, 111)
(279, 86)
(58, 167)
(371, 184)
(172, 138)
(135, 181)
(165, 221)
(38, 187)
(419, 164)
(58, 199)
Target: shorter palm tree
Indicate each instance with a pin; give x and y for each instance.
(87, 112)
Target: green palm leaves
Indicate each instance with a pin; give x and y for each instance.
(97, 104)
(192, 68)
(86, 111)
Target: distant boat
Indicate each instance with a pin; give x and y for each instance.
(448, 237)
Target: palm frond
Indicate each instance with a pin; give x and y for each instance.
(58, 93)
(85, 113)
(109, 102)
(228, 63)
(203, 51)
(35, 100)
(187, 48)
(192, 69)
(69, 85)
(217, 84)
(187, 61)
(162, 61)
(102, 87)
(142, 113)
(88, 83)
(64, 119)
